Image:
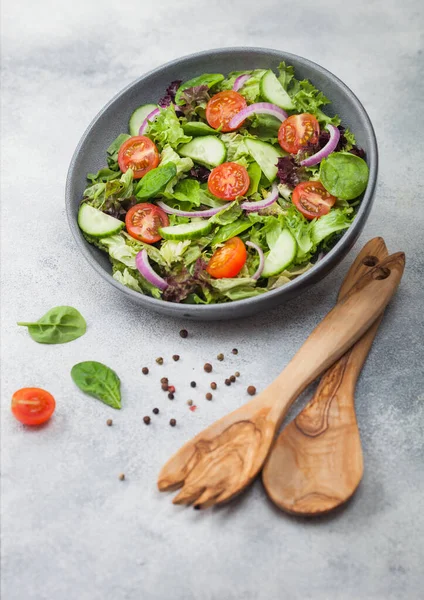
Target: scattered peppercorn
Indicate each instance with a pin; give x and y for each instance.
(207, 367)
(234, 351)
(190, 402)
(109, 422)
(213, 385)
(232, 378)
(237, 374)
(251, 390)
(171, 389)
(220, 356)
(165, 387)
(159, 360)
(171, 396)
(155, 411)
(184, 333)
(193, 384)
(121, 477)
(164, 380)
(176, 357)
(208, 396)
(145, 370)
(193, 408)
(146, 420)
(227, 382)
(173, 422)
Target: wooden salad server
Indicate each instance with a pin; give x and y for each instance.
(316, 462)
(223, 459)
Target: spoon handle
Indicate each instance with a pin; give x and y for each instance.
(339, 330)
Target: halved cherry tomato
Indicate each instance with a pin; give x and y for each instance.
(32, 406)
(222, 107)
(140, 154)
(143, 221)
(228, 260)
(312, 199)
(228, 181)
(297, 131)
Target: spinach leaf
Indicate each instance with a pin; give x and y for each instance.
(98, 381)
(230, 230)
(155, 180)
(344, 175)
(209, 79)
(59, 325)
(103, 175)
(255, 174)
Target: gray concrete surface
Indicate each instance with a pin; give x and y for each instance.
(70, 529)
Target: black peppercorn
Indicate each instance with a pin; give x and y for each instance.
(184, 333)
(208, 396)
(234, 351)
(145, 370)
(207, 367)
(155, 411)
(193, 384)
(213, 385)
(165, 387)
(227, 382)
(171, 396)
(173, 422)
(251, 390)
(146, 420)
(176, 357)
(164, 380)
(232, 378)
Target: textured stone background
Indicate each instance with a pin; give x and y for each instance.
(71, 530)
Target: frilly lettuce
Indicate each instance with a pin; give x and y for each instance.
(250, 89)
(166, 129)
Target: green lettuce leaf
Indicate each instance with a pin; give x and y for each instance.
(336, 220)
(265, 127)
(133, 279)
(103, 175)
(229, 214)
(250, 90)
(230, 230)
(172, 250)
(285, 75)
(236, 148)
(168, 154)
(308, 99)
(188, 190)
(112, 151)
(167, 129)
(113, 190)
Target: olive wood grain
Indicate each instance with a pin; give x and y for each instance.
(316, 463)
(224, 458)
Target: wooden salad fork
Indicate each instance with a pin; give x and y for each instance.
(223, 460)
(316, 462)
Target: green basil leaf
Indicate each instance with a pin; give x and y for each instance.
(344, 175)
(60, 325)
(155, 180)
(209, 79)
(98, 381)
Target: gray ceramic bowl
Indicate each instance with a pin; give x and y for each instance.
(89, 156)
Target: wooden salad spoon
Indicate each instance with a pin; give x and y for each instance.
(223, 459)
(316, 462)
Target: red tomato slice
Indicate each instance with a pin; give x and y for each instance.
(228, 181)
(222, 107)
(312, 199)
(139, 154)
(32, 406)
(228, 260)
(143, 221)
(297, 131)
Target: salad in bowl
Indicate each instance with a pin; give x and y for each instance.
(228, 187)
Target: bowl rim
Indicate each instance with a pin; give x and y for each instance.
(320, 269)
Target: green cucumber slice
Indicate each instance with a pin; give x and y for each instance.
(197, 128)
(281, 254)
(95, 223)
(206, 150)
(138, 116)
(266, 156)
(186, 231)
(272, 91)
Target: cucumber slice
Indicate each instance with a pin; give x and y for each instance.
(206, 150)
(197, 128)
(95, 223)
(138, 117)
(266, 156)
(281, 255)
(272, 91)
(186, 231)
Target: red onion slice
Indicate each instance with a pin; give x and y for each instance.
(150, 117)
(260, 204)
(143, 265)
(259, 250)
(210, 212)
(260, 108)
(329, 147)
(240, 81)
